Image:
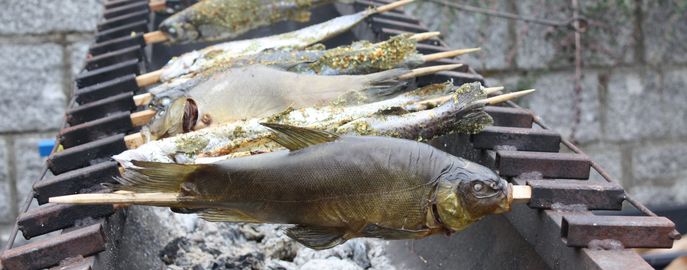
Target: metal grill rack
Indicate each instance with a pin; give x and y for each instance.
(557, 222)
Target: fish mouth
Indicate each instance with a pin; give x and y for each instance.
(505, 204)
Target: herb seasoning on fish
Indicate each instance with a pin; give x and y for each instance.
(332, 188)
(192, 62)
(220, 19)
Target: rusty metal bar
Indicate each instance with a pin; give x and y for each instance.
(104, 74)
(590, 195)
(101, 108)
(74, 181)
(510, 117)
(610, 231)
(121, 31)
(116, 44)
(125, 9)
(542, 229)
(119, 122)
(86, 154)
(87, 263)
(114, 57)
(550, 165)
(82, 242)
(523, 139)
(52, 217)
(124, 84)
(122, 20)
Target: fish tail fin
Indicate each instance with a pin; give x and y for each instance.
(157, 177)
(385, 84)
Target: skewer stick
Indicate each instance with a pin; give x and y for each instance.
(141, 118)
(154, 37)
(519, 194)
(157, 5)
(428, 70)
(117, 198)
(491, 90)
(133, 141)
(425, 36)
(143, 99)
(449, 54)
(493, 100)
(149, 78)
(391, 6)
(505, 97)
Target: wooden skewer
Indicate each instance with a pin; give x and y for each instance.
(157, 5)
(154, 37)
(425, 36)
(141, 118)
(493, 100)
(519, 194)
(428, 70)
(391, 6)
(143, 99)
(491, 90)
(449, 54)
(149, 78)
(505, 97)
(117, 198)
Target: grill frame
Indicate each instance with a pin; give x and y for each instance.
(119, 55)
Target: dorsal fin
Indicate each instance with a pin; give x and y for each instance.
(294, 138)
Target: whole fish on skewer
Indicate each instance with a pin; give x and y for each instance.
(210, 20)
(195, 61)
(239, 93)
(332, 188)
(361, 57)
(421, 114)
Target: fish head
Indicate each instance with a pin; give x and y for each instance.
(179, 117)
(179, 30)
(470, 192)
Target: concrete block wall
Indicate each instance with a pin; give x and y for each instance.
(43, 44)
(633, 109)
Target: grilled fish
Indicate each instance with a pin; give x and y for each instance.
(210, 20)
(332, 188)
(195, 61)
(412, 115)
(258, 91)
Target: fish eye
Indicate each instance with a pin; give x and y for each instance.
(477, 187)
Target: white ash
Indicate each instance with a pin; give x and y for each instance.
(194, 243)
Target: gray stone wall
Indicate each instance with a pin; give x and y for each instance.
(634, 97)
(43, 44)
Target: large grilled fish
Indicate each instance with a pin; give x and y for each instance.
(195, 61)
(220, 19)
(332, 188)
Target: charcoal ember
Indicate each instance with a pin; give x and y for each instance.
(250, 261)
(330, 263)
(169, 253)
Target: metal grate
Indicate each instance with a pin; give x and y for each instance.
(557, 222)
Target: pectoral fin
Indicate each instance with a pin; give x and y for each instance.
(295, 138)
(317, 237)
(226, 215)
(376, 231)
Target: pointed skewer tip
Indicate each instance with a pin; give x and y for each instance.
(391, 6)
(505, 97)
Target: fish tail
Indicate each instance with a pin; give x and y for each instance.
(386, 83)
(156, 177)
